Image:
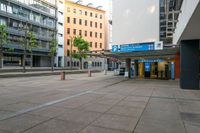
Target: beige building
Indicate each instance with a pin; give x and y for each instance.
(87, 22)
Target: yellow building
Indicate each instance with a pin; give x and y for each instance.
(85, 21)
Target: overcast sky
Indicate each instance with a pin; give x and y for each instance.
(104, 3)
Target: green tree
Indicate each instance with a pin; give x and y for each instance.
(83, 47)
(3, 42)
(32, 43)
(53, 50)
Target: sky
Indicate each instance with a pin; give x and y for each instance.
(96, 3)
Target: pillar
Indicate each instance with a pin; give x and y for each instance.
(189, 61)
(136, 67)
(128, 67)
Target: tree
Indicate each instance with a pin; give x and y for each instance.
(53, 51)
(3, 42)
(82, 46)
(32, 43)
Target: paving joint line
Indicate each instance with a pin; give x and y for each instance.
(21, 112)
(143, 111)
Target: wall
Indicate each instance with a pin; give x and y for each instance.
(135, 21)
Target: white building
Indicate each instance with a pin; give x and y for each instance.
(135, 21)
(59, 60)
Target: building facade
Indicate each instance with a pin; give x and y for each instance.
(59, 59)
(39, 17)
(88, 22)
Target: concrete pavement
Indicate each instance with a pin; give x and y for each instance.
(100, 104)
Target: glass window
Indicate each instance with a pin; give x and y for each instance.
(91, 14)
(68, 41)
(9, 9)
(80, 21)
(90, 44)
(80, 12)
(101, 17)
(85, 22)
(80, 32)
(3, 21)
(90, 33)
(85, 13)
(101, 26)
(96, 16)
(74, 20)
(3, 7)
(100, 35)
(100, 45)
(74, 11)
(90, 23)
(95, 24)
(68, 52)
(95, 44)
(68, 19)
(96, 34)
(74, 31)
(86, 33)
(68, 30)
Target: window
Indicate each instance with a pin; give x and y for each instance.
(60, 46)
(3, 7)
(101, 26)
(61, 13)
(95, 44)
(96, 16)
(74, 31)
(68, 30)
(61, 24)
(68, 19)
(80, 21)
(95, 24)
(91, 14)
(90, 23)
(75, 61)
(60, 35)
(77, 64)
(100, 16)
(96, 34)
(68, 63)
(100, 45)
(74, 51)
(68, 41)
(85, 13)
(85, 33)
(80, 12)
(9, 9)
(90, 33)
(74, 11)
(68, 52)
(90, 44)
(68, 9)
(80, 32)
(85, 22)
(74, 20)
(101, 35)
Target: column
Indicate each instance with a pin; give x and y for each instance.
(128, 67)
(189, 58)
(136, 68)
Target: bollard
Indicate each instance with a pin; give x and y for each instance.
(62, 74)
(89, 73)
(105, 72)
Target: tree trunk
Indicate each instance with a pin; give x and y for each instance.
(1, 59)
(31, 59)
(24, 63)
(81, 64)
(52, 63)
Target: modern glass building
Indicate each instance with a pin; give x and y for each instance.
(38, 16)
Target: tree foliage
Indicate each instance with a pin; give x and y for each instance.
(82, 46)
(32, 42)
(53, 47)
(3, 38)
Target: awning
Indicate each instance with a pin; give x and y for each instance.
(154, 54)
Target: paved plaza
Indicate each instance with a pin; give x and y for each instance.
(100, 104)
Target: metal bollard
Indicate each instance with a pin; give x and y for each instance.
(89, 73)
(62, 74)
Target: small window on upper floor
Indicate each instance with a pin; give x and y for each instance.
(80, 12)
(101, 16)
(68, 9)
(85, 13)
(96, 15)
(74, 10)
(91, 14)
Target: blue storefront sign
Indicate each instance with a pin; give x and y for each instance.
(115, 48)
(147, 67)
(150, 61)
(137, 47)
(172, 71)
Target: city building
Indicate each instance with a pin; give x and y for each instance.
(21, 16)
(60, 33)
(88, 22)
(187, 35)
(137, 28)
